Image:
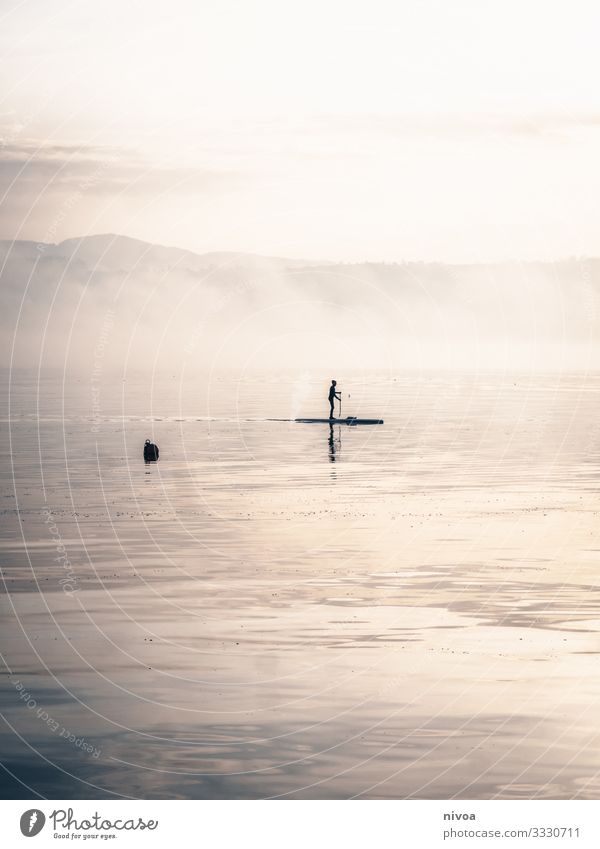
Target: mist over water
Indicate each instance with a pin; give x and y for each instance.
(116, 304)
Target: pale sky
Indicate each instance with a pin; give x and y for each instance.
(340, 130)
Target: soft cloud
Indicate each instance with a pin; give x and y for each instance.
(434, 130)
(50, 191)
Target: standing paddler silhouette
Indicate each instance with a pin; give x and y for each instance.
(333, 394)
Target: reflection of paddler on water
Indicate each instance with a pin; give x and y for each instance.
(334, 445)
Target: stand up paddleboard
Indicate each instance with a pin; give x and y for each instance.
(350, 420)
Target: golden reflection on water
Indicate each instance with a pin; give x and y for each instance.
(278, 609)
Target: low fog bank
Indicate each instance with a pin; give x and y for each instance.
(115, 303)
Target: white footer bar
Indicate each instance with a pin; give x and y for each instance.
(302, 824)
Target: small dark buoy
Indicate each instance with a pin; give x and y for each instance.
(150, 452)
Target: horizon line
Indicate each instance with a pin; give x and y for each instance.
(328, 261)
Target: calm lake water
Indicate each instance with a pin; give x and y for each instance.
(283, 610)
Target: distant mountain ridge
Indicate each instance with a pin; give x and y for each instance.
(108, 251)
